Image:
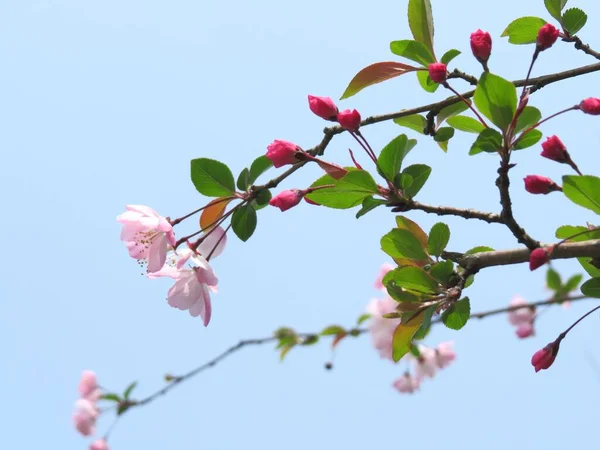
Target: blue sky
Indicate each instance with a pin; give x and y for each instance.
(104, 104)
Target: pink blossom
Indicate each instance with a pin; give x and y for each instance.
(349, 119)
(100, 444)
(445, 354)
(481, 45)
(193, 284)
(147, 235)
(287, 199)
(323, 107)
(522, 315)
(438, 72)
(547, 36)
(537, 184)
(407, 384)
(382, 329)
(84, 418)
(385, 268)
(88, 386)
(282, 153)
(543, 359)
(525, 330)
(426, 364)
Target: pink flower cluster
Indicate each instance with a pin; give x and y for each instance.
(86, 409)
(382, 332)
(149, 237)
(522, 318)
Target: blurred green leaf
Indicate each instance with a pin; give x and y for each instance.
(553, 280)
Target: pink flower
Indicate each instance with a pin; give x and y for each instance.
(536, 184)
(192, 287)
(407, 384)
(349, 120)
(522, 315)
(382, 329)
(147, 235)
(543, 359)
(88, 386)
(445, 354)
(590, 106)
(538, 257)
(426, 365)
(525, 330)
(547, 36)
(438, 72)
(554, 149)
(385, 268)
(323, 107)
(282, 152)
(287, 199)
(100, 444)
(84, 418)
(481, 45)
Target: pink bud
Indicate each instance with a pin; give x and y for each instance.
(282, 152)
(481, 45)
(554, 149)
(100, 444)
(538, 257)
(542, 359)
(525, 330)
(536, 184)
(323, 107)
(547, 36)
(349, 120)
(590, 106)
(287, 199)
(438, 72)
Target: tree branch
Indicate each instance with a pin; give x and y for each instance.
(579, 45)
(451, 211)
(475, 262)
(357, 332)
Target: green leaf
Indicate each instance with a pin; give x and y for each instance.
(413, 279)
(362, 318)
(375, 73)
(212, 178)
(553, 280)
(111, 397)
(412, 50)
(450, 55)
(584, 190)
(489, 140)
(466, 123)
(555, 7)
(591, 288)
(259, 166)
(403, 336)
(479, 249)
(243, 180)
(403, 181)
(414, 122)
(426, 82)
(243, 222)
(531, 138)
(442, 271)
(438, 238)
(444, 134)
(443, 145)
(404, 223)
(332, 330)
(369, 204)
(420, 21)
(573, 282)
(262, 199)
(123, 407)
(530, 116)
(450, 111)
(419, 173)
(469, 281)
(346, 192)
(423, 330)
(129, 389)
(284, 351)
(391, 157)
(566, 231)
(401, 243)
(458, 314)
(573, 20)
(523, 30)
(496, 99)
(311, 339)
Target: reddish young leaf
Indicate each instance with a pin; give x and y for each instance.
(376, 73)
(213, 212)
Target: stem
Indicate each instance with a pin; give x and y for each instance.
(533, 59)
(564, 333)
(214, 202)
(447, 86)
(581, 233)
(218, 242)
(533, 127)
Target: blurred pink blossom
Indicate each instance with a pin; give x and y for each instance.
(385, 268)
(100, 444)
(407, 384)
(84, 418)
(382, 329)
